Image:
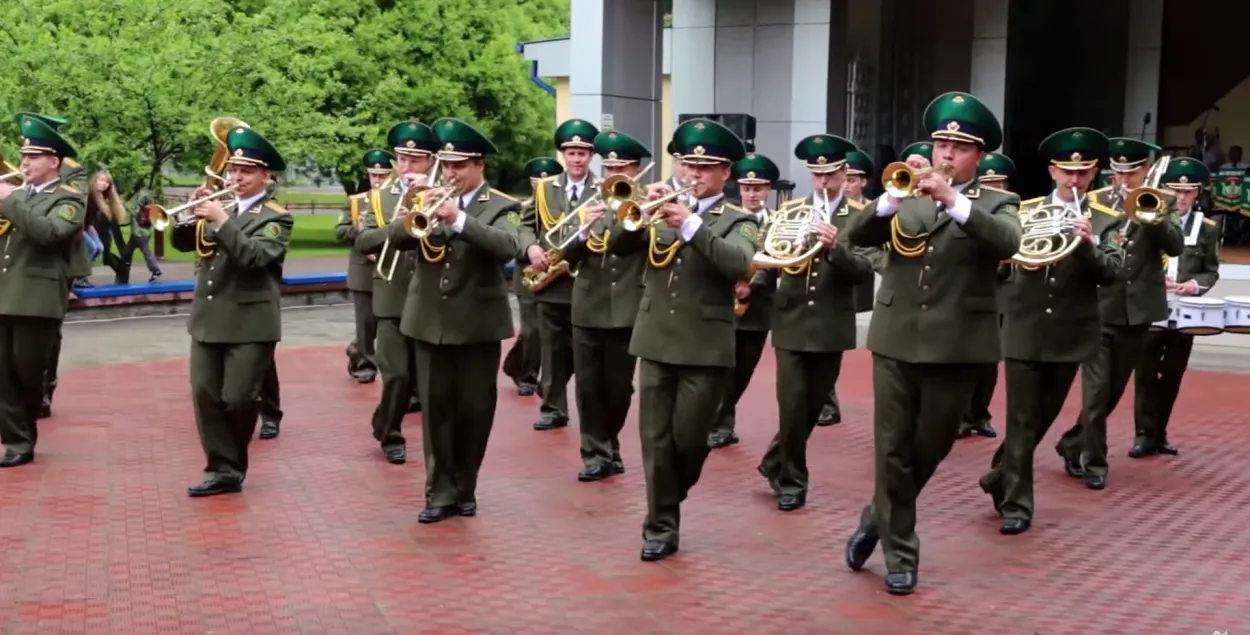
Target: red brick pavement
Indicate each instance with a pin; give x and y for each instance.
(99, 537)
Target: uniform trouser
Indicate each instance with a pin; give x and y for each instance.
(26, 347)
(802, 390)
(1036, 392)
(1103, 380)
(398, 366)
(458, 394)
(225, 384)
(556, 326)
(54, 363)
(1158, 381)
(526, 355)
(979, 413)
(916, 413)
(604, 389)
(748, 347)
(361, 351)
(678, 406)
(271, 395)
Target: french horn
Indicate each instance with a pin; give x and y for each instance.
(1048, 234)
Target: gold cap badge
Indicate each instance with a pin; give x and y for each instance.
(751, 175)
(1076, 156)
(239, 152)
(1184, 179)
(449, 147)
(699, 150)
(822, 159)
(953, 126)
(411, 143)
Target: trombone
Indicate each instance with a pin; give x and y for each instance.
(162, 219)
(900, 179)
(1149, 205)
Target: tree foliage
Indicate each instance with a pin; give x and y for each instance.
(139, 80)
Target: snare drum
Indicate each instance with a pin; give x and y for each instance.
(1200, 316)
(1170, 321)
(1237, 314)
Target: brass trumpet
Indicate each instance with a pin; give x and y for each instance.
(162, 219)
(900, 179)
(1149, 205)
(419, 221)
(635, 215)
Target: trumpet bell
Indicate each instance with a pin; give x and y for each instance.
(898, 179)
(635, 215)
(1147, 205)
(417, 225)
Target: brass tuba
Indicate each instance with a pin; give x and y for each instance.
(214, 181)
(899, 179)
(1149, 205)
(1048, 234)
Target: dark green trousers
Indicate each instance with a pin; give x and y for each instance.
(1157, 382)
(748, 348)
(271, 395)
(225, 388)
(1036, 392)
(525, 358)
(604, 390)
(26, 347)
(677, 409)
(54, 364)
(1103, 380)
(361, 351)
(916, 414)
(802, 390)
(982, 394)
(458, 386)
(556, 328)
(396, 358)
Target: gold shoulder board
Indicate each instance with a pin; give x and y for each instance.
(275, 207)
(71, 189)
(734, 208)
(70, 163)
(856, 205)
(794, 202)
(1095, 205)
(1210, 222)
(1033, 202)
(502, 195)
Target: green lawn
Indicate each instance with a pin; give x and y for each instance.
(312, 237)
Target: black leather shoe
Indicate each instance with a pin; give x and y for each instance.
(791, 502)
(595, 473)
(900, 583)
(269, 428)
(772, 483)
(397, 456)
(1168, 449)
(45, 408)
(721, 438)
(468, 509)
(1096, 481)
(214, 488)
(13, 459)
(365, 376)
(860, 547)
(655, 550)
(1143, 449)
(828, 416)
(986, 430)
(526, 389)
(618, 467)
(1013, 526)
(1073, 467)
(550, 422)
(414, 405)
(431, 515)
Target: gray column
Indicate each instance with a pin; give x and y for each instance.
(809, 84)
(691, 60)
(617, 50)
(989, 55)
(1141, 90)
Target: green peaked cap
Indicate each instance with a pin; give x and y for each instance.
(248, 147)
(41, 137)
(54, 122)
(412, 138)
(995, 166)
(824, 153)
(1186, 174)
(618, 149)
(858, 162)
(576, 133)
(671, 148)
(1129, 154)
(1074, 148)
(378, 161)
(459, 141)
(707, 142)
(961, 117)
(923, 148)
(756, 169)
(543, 167)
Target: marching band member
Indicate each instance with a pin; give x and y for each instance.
(458, 312)
(524, 361)
(1160, 370)
(813, 318)
(994, 171)
(934, 322)
(361, 365)
(235, 318)
(1050, 322)
(756, 174)
(40, 227)
(414, 145)
(605, 305)
(552, 202)
(684, 332)
(1137, 298)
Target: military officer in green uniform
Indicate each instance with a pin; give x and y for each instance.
(236, 318)
(1050, 321)
(553, 202)
(606, 296)
(458, 312)
(40, 224)
(1160, 370)
(813, 320)
(994, 170)
(1137, 298)
(755, 174)
(524, 360)
(684, 333)
(379, 165)
(934, 325)
(414, 144)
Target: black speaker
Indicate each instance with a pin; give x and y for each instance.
(742, 125)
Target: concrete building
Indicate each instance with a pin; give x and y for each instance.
(866, 69)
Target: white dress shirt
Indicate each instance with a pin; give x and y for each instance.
(694, 221)
(465, 200)
(963, 206)
(247, 203)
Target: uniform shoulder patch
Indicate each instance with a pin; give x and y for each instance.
(272, 230)
(503, 195)
(66, 212)
(270, 205)
(749, 230)
(514, 218)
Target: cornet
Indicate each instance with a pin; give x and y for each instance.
(900, 179)
(162, 219)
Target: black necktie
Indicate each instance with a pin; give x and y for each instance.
(573, 197)
(460, 200)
